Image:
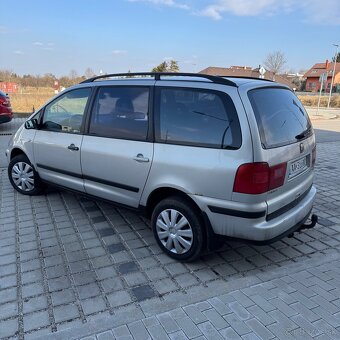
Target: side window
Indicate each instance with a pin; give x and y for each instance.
(121, 112)
(197, 117)
(65, 114)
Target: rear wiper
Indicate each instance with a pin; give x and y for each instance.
(303, 134)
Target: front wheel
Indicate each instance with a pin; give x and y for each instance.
(178, 228)
(23, 177)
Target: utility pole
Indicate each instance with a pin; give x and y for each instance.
(322, 79)
(330, 90)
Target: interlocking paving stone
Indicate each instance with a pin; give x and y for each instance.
(92, 208)
(128, 267)
(188, 327)
(135, 279)
(115, 248)
(209, 331)
(139, 331)
(93, 305)
(65, 313)
(119, 298)
(36, 320)
(8, 310)
(106, 232)
(143, 292)
(99, 219)
(8, 328)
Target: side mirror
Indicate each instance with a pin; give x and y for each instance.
(31, 124)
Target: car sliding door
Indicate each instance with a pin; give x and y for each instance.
(116, 155)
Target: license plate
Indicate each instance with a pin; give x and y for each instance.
(297, 167)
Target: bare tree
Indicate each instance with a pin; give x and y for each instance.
(275, 62)
(73, 74)
(89, 73)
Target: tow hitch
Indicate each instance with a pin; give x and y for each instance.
(313, 222)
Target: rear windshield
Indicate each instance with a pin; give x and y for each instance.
(280, 116)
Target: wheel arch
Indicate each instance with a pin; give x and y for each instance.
(16, 152)
(211, 240)
(163, 192)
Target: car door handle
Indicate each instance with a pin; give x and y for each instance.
(73, 147)
(140, 158)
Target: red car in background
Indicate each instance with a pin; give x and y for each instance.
(6, 113)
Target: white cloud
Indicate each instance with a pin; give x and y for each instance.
(168, 3)
(245, 7)
(18, 52)
(43, 46)
(119, 52)
(326, 11)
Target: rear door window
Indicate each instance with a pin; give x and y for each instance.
(121, 112)
(196, 117)
(280, 116)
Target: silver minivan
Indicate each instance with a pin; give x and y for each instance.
(202, 156)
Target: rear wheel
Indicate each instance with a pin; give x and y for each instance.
(23, 177)
(178, 228)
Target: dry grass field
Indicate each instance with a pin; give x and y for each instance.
(28, 98)
(313, 101)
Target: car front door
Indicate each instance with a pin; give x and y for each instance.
(58, 141)
(116, 155)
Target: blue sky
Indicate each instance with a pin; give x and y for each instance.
(39, 36)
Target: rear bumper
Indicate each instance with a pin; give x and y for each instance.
(249, 221)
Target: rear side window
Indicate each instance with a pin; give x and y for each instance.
(121, 112)
(280, 116)
(196, 117)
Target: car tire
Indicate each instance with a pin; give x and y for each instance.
(178, 228)
(23, 176)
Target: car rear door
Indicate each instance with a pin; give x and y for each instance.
(117, 151)
(57, 142)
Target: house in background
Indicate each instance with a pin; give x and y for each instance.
(313, 75)
(247, 71)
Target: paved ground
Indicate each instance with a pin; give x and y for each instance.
(74, 268)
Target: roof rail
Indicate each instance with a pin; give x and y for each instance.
(158, 75)
(245, 77)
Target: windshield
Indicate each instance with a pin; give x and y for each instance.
(280, 116)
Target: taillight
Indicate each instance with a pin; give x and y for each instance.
(314, 156)
(4, 101)
(277, 175)
(258, 178)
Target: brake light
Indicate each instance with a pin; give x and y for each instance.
(314, 156)
(258, 178)
(4, 101)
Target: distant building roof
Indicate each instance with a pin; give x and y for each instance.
(246, 71)
(320, 68)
